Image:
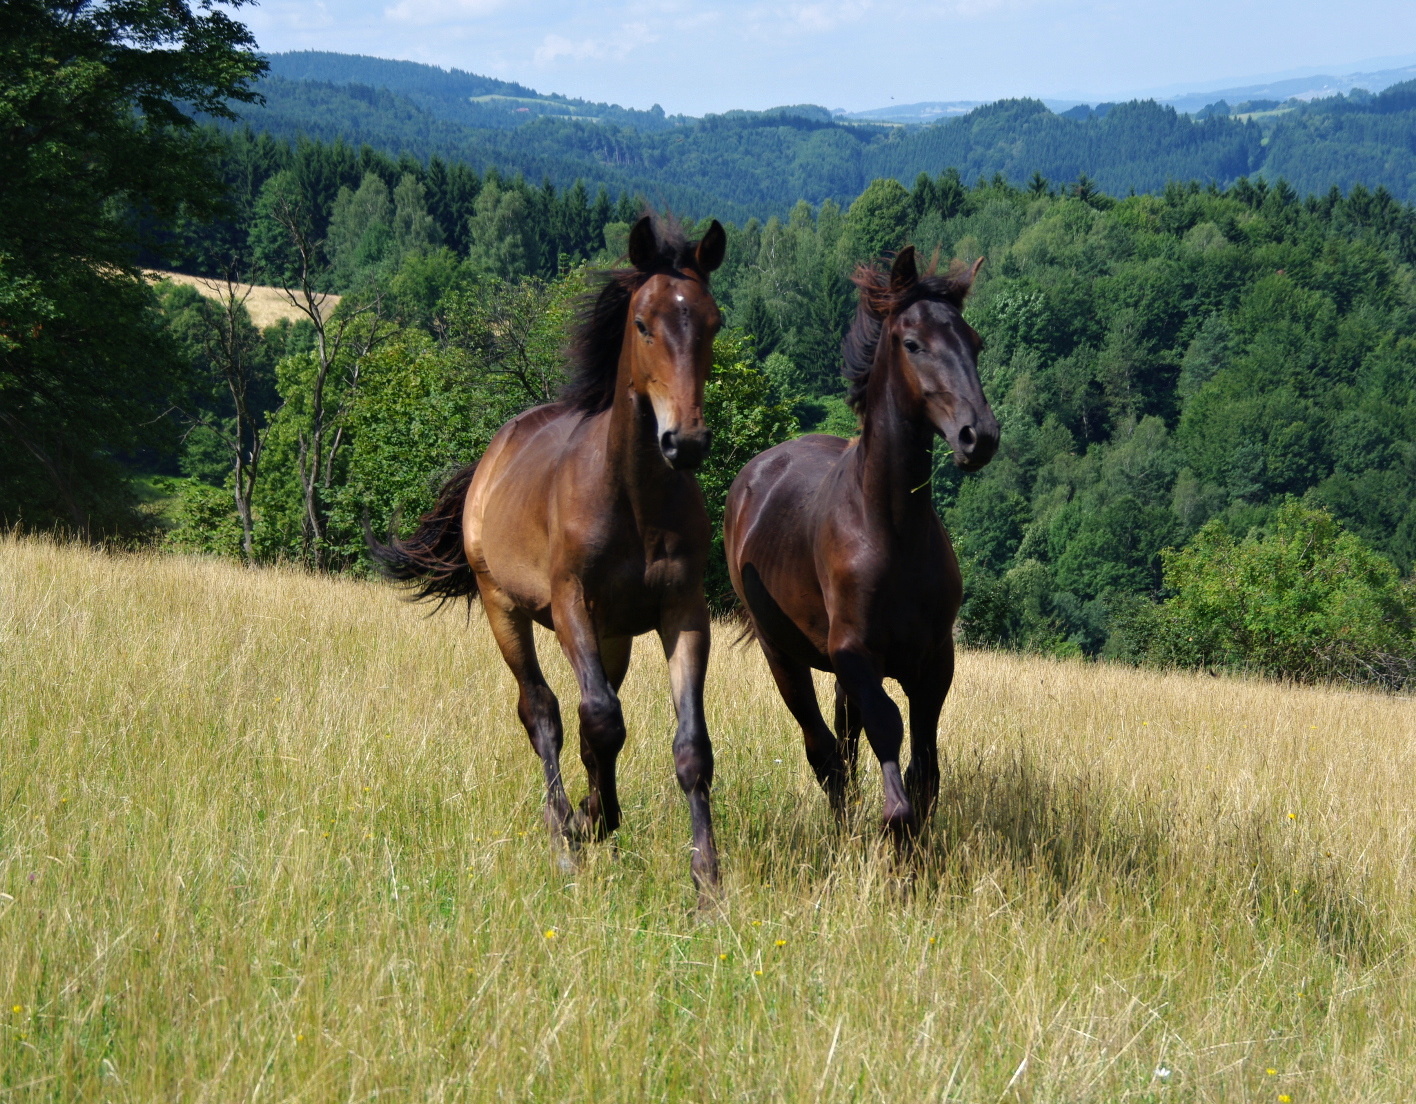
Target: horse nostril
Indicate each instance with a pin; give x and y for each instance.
(668, 443)
(967, 437)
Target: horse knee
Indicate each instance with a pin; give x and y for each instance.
(602, 723)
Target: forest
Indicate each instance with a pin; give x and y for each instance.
(1201, 390)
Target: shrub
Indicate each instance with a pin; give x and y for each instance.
(1308, 602)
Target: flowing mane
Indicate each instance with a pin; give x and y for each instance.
(879, 299)
(603, 311)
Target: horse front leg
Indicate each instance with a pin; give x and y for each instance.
(684, 633)
(926, 695)
(602, 731)
(886, 732)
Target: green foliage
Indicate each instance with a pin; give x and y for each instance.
(740, 409)
(202, 519)
(1306, 601)
(877, 222)
(499, 232)
(95, 149)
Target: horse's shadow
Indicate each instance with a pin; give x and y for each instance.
(1060, 841)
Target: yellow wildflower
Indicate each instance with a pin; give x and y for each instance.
(781, 942)
(549, 933)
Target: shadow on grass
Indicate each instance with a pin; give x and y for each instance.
(1058, 840)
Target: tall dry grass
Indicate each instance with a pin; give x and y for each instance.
(268, 836)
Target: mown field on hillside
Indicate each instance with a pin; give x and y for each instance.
(267, 836)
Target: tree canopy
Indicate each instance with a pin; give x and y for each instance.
(97, 146)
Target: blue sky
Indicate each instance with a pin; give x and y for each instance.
(698, 56)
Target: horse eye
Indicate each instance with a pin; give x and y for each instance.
(639, 322)
(911, 345)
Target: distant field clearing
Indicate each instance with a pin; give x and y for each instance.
(266, 305)
(270, 836)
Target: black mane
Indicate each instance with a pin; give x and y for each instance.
(603, 312)
(879, 299)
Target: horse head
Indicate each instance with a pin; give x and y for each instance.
(932, 351)
(669, 339)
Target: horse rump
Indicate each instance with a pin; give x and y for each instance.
(431, 560)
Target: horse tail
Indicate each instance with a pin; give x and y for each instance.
(432, 560)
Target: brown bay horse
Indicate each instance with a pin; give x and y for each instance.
(837, 554)
(585, 516)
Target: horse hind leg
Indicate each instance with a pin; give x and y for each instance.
(848, 726)
(799, 692)
(538, 709)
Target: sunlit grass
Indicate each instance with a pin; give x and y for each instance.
(268, 836)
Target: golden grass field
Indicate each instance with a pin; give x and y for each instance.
(265, 305)
(266, 836)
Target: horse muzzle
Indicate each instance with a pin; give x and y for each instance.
(685, 450)
(975, 442)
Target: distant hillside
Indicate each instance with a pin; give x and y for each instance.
(459, 97)
(746, 163)
(1300, 88)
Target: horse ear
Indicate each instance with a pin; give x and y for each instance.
(711, 249)
(904, 271)
(643, 244)
(965, 284)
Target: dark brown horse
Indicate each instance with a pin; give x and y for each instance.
(585, 516)
(836, 552)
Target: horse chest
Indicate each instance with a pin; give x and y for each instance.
(637, 571)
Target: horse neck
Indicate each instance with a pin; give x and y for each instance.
(896, 450)
(633, 459)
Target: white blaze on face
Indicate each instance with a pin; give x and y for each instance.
(662, 415)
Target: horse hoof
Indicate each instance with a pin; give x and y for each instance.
(579, 828)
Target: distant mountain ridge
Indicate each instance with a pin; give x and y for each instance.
(457, 96)
(1300, 88)
(759, 163)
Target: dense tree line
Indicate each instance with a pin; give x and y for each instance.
(454, 205)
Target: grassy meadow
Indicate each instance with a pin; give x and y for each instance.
(265, 836)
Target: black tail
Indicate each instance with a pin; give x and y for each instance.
(432, 560)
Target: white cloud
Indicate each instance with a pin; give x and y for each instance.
(827, 17)
(283, 16)
(431, 12)
(555, 47)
